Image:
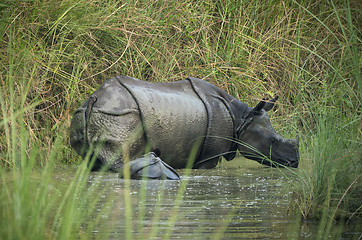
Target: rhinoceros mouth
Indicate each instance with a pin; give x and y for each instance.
(292, 163)
(280, 163)
(289, 163)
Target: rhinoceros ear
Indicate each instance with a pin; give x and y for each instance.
(266, 105)
(270, 104)
(259, 107)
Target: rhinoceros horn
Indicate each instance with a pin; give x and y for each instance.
(296, 141)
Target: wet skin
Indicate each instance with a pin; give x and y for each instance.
(176, 119)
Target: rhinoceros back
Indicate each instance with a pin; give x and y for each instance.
(174, 118)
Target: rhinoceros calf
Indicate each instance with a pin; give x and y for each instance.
(174, 120)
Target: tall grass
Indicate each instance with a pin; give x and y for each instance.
(331, 184)
(330, 122)
(33, 204)
(53, 54)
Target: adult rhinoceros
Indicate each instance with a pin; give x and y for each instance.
(174, 119)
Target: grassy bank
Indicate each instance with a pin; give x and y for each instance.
(53, 54)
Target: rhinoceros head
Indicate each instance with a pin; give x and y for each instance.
(259, 141)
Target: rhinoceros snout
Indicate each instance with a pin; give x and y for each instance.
(294, 162)
(295, 142)
(293, 159)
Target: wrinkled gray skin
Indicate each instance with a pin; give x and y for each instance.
(149, 166)
(126, 115)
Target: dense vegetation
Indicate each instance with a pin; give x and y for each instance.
(54, 53)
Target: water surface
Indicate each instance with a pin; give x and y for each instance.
(235, 202)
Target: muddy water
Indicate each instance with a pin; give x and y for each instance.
(248, 202)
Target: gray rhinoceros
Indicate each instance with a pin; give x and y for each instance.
(130, 116)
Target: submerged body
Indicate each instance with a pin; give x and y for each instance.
(176, 120)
